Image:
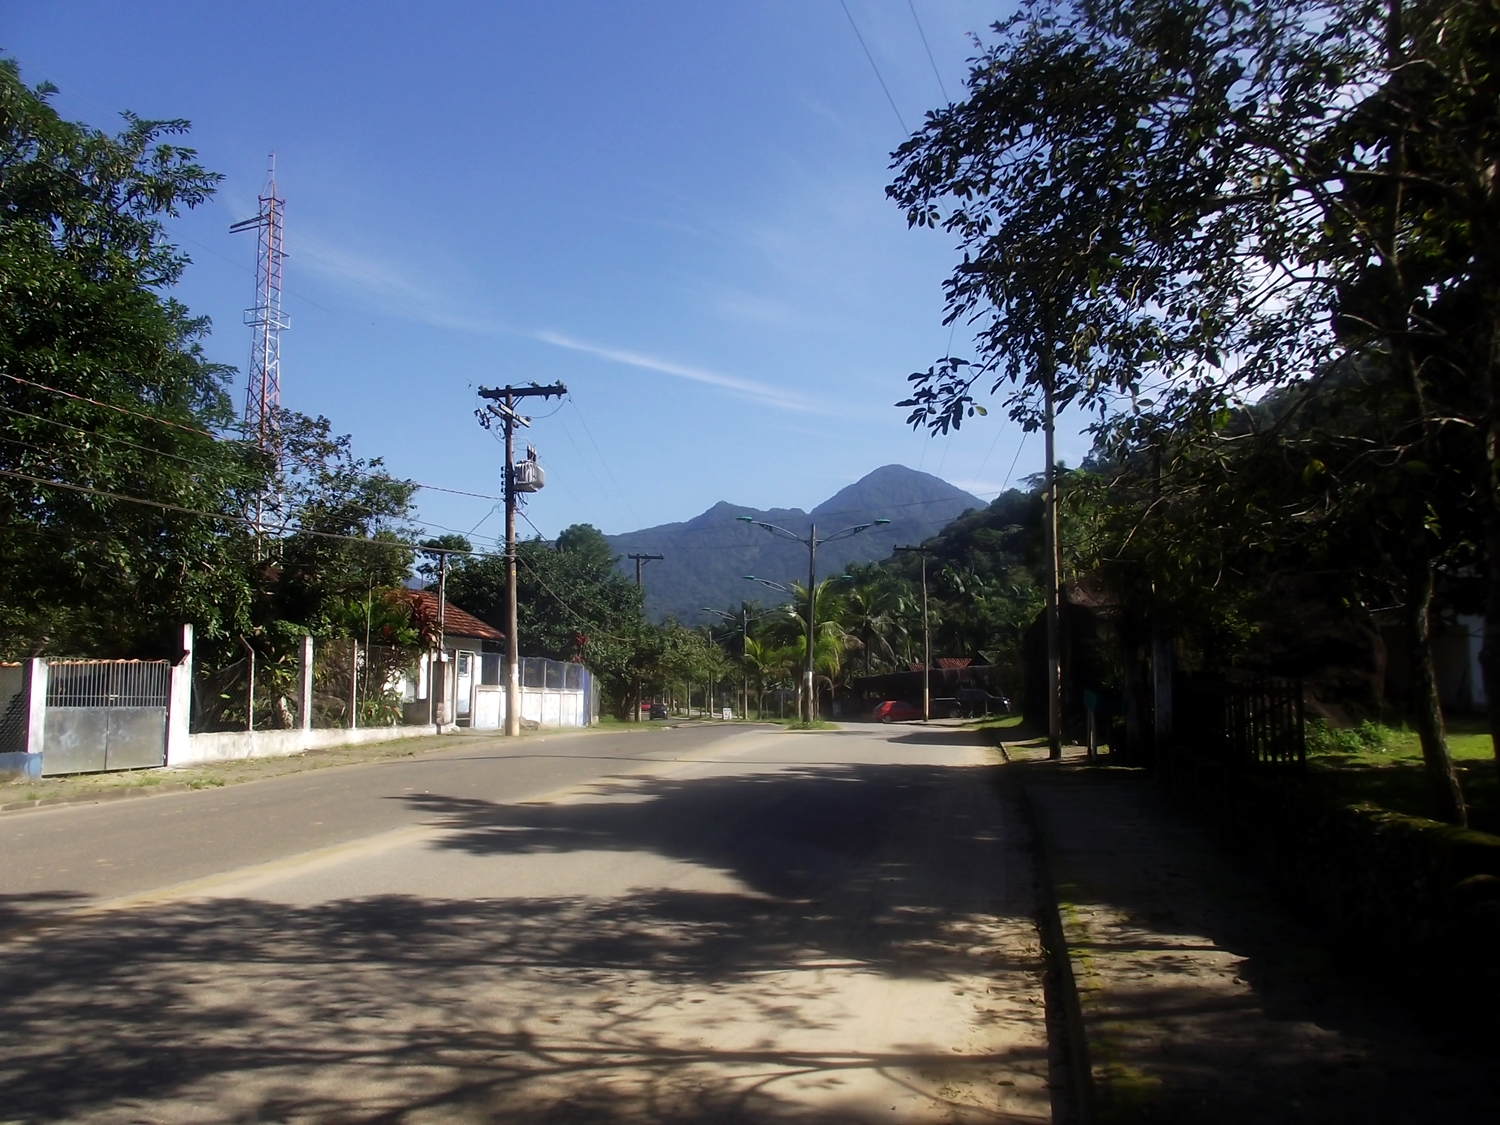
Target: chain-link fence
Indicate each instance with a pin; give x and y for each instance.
(354, 686)
(261, 688)
(552, 675)
(359, 686)
(258, 688)
(13, 708)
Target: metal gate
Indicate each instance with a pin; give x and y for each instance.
(105, 715)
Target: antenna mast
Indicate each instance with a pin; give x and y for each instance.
(266, 321)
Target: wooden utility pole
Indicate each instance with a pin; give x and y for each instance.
(925, 553)
(1054, 575)
(641, 560)
(503, 406)
(437, 686)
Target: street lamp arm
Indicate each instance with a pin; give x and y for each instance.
(775, 529)
(768, 583)
(855, 530)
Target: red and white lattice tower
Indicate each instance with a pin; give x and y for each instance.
(263, 392)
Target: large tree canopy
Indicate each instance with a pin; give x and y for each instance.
(1169, 208)
(1161, 203)
(105, 393)
(127, 500)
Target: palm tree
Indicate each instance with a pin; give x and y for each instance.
(867, 615)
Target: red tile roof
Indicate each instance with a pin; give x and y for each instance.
(456, 622)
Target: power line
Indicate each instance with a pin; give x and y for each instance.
(96, 434)
(999, 431)
(120, 409)
(198, 511)
(215, 437)
(928, 49)
(566, 605)
(1020, 445)
(875, 68)
(602, 460)
(522, 513)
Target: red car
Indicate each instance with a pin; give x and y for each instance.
(897, 711)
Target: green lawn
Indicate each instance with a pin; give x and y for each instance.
(1392, 776)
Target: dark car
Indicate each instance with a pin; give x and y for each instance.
(658, 710)
(945, 707)
(896, 711)
(976, 703)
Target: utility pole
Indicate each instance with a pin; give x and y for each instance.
(745, 620)
(437, 688)
(925, 553)
(641, 560)
(503, 406)
(811, 543)
(1054, 574)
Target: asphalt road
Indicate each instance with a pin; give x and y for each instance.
(699, 924)
(107, 851)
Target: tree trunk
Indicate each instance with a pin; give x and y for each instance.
(1447, 794)
(1489, 655)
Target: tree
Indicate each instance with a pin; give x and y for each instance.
(1175, 203)
(587, 545)
(121, 505)
(346, 530)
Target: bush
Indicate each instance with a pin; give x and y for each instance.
(1367, 736)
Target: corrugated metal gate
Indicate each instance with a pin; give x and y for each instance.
(105, 715)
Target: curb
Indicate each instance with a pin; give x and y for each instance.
(126, 792)
(1060, 964)
(104, 795)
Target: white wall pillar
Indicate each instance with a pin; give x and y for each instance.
(180, 701)
(305, 685)
(35, 686)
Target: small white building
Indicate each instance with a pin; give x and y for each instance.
(472, 657)
(551, 693)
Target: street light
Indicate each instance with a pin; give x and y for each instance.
(811, 543)
(768, 583)
(745, 618)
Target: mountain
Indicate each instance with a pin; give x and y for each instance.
(708, 556)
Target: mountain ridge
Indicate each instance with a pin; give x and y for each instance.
(708, 555)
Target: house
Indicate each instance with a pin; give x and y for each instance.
(472, 657)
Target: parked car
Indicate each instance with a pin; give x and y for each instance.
(976, 703)
(658, 710)
(896, 711)
(945, 707)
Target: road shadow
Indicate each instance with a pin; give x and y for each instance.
(553, 1007)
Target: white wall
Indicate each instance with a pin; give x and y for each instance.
(230, 745)
(489, 707)
(542, 706)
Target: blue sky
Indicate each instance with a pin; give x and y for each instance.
(675, 208)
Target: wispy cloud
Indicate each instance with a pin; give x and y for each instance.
(396, 289)
(745, 388)
(402, 291)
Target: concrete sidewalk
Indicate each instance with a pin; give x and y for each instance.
(1202, 998)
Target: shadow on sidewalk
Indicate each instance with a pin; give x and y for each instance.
(1206, 999)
